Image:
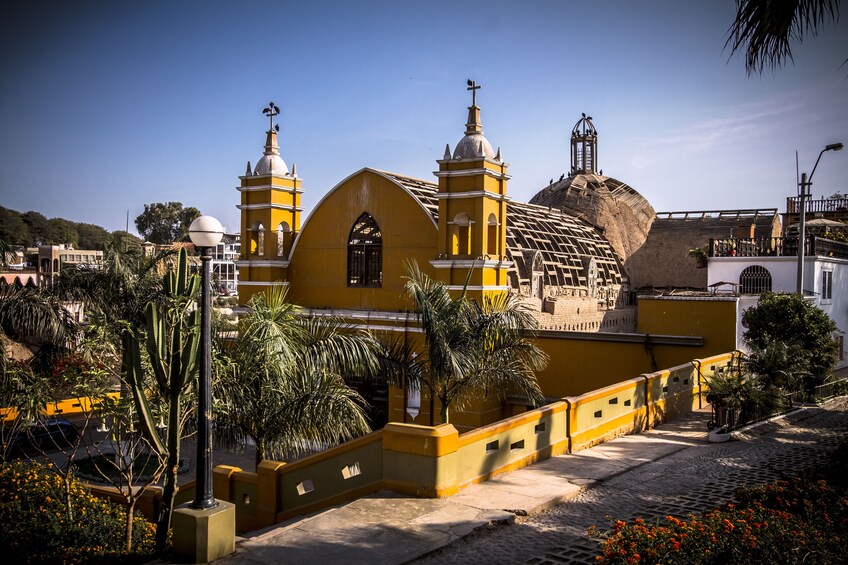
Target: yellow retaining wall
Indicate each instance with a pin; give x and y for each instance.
(438, 461)
(65, 407)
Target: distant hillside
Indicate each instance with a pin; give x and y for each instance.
(31, 228)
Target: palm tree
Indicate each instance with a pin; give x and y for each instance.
(7, 253)
(35, 320)
(765, 28)
(280, 384)
(472, 348)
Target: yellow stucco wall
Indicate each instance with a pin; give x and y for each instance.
(714, 319)
(318, 269)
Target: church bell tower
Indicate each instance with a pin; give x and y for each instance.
(270, 217)
(472, 212)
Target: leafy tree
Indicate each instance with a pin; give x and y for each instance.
(804, 328)
(62, 231)
(124, 241)
(281, 383)
(13, 229)
(472, 348)
(165, 222)
(765, 29)
(115, 296)
(90, 236)
(38, 226)
(778, 364)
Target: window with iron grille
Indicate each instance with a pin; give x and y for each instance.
(365, 253)
(755, 279)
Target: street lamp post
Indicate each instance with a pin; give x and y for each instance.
(205, 232)
(804, 187)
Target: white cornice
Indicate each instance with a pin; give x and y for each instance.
(473, 172)
(475, 287)
(287, 176)
(471, 263)
(262, 187)
(266, 206)
(282, 263)
(381, 315)
(472, 194)
(486, 159)
(263, 283)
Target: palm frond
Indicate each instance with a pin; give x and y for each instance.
(766, 29)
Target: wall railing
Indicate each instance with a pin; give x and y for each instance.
(438, 461)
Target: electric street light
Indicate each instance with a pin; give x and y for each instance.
(804, 187)
(205, 232)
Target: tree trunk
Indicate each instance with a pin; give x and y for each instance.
(69, 510)
(128, 527)
(169, 489)
(260, 452)
(444, 412)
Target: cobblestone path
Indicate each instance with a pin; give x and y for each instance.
(689, 481)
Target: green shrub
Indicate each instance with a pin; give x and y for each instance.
(37, 527)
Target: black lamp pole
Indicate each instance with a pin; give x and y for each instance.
(804, 187)
(203, 498)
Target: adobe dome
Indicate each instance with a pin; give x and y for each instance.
(624, 214)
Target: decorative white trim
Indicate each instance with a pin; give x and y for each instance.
(471, 263)
(263, 283)
(382, 315)
(475, 287)
(262, 187)
(282, 263)
(472, 194)
(347, 178)
(288, 176)
(370, 315)
(266, 206)
(473, 172)
(486, 159)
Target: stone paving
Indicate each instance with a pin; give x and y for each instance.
(695, 478)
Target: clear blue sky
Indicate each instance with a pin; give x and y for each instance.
(106, 106)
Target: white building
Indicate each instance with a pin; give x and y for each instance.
(749, 267)
(224, 263)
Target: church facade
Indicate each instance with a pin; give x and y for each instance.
(349, 257)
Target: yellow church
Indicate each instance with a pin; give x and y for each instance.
(347, 258)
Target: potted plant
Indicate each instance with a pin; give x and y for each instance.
(701, 255)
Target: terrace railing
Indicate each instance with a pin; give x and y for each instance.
(793, 205)
(776, 247)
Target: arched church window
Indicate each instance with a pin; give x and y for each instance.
(461, 235)
(283, 232)
(755, 279)
(257, 239)
(492, 236)
(365, 253)
(538, 273)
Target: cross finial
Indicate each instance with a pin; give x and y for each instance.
(473, 87)
(271, 111)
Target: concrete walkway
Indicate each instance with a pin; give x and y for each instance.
(389, 528)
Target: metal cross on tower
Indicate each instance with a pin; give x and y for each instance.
(473, 87)
(271, 111)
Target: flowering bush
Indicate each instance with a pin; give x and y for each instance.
(38, 527)
(797, 521)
